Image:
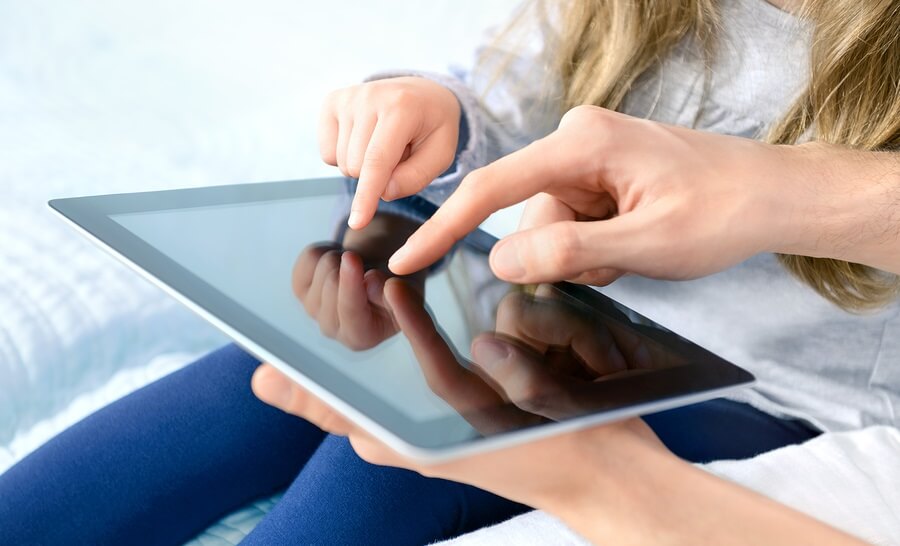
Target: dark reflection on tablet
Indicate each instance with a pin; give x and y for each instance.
(538, 354)
(341, 284)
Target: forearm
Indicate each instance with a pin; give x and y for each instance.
(651, 497)
(841, 204)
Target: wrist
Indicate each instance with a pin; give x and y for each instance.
(787, 207)
(613, 497)
(837, 203)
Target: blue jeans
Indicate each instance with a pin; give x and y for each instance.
(165, 462)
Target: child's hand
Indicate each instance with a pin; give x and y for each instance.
(395, 135)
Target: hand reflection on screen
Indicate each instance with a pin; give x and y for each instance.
(545, 361)
(546, 357)
(341, 286)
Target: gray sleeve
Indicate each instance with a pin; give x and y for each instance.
(509, 99)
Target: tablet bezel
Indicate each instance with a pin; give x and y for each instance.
(423, 440)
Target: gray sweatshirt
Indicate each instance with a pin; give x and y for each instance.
(813, 361)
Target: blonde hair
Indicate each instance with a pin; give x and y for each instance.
(852, 99)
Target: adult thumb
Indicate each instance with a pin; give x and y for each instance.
(563, 250)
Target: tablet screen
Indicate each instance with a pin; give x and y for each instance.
(268, 260)
(252, 251)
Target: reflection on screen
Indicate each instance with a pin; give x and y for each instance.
(248, 252)
(284, 262)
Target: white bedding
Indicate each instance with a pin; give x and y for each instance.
(103, 96)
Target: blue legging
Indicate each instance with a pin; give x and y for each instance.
(165, 462)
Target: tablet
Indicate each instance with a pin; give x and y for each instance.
(274, 266)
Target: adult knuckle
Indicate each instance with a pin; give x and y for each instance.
(564, 246)
(580, 114)
(594, 125)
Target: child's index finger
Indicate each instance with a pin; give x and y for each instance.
(383, 153)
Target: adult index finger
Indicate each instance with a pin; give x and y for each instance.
(503, 183)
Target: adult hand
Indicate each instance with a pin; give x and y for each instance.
(612, 194)
(396, 135)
